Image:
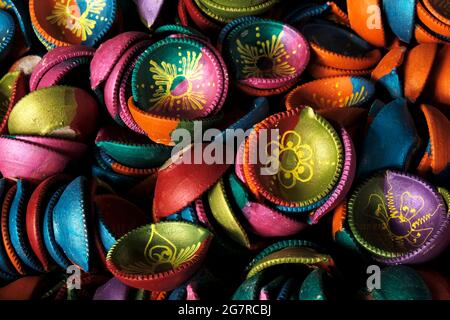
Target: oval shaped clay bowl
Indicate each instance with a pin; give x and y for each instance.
(159, 257)
(303, 161)
(266, 54)
(178, 77)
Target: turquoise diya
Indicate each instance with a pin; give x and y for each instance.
(71, 216)
(7, 30)
(399, 218)
(393, 120)
(48, 233)
(131, 149)
(303, 158)
(113, 224)
(179, 77)
(265, 54)
(18, 9)
(69, 22)
(17, 227)
(159, 257)
(59, 111)
(400, 283)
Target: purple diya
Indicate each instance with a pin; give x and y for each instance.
(399, 218)
(149, 10)
(112, 290)
(266, 54)
(55, 57)
(59, 111)
(305, 159)
(110, 52)
(263, 220)
(179, 77)
(23, 159)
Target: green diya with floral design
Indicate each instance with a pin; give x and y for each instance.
(179, 77)
(301, 162)
(159, 257)
(265, 54)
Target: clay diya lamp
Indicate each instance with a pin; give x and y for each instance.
(71, 218)
(55, 57)
(113, 224)
(20, 13)
(72, 22)
(398, 218)
(7, 31)
(191, 14)
(48, 233)
(175, 85)
(305, 11)
(387, 74)
(7, 270)
(17, 227)
(334, 92)
(149, 11)
(13, 87)
(225, 11)
(317, 286)
(318, 71)
(341, 231)
(131, 149)
(109, 54)
(294, 156)
(439, 9)
(393, 120)
(336, 47)
(399, 17)
(432, 22)
(366, 20)
(438, 84)
(437, 283)
(23, 159)
(69, 148)
(56, 111)
(112, 290)
(266, 54)
(400, 283)
(424, 35)
(159, 257)
(263, 220)
(418, 64)
(26, 64)
(36, 207)
(25, 288)
(198, 177)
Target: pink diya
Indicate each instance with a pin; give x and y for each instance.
(13, 87)
(59, 111)
(69, 148)
(110, 52)
(59, 74)
(23, 159)
(334, 92)
(55, 57)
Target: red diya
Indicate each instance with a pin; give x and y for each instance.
(159, 257)
(303, 171)
(334, 92)
(59, 111)
(265, 54)
(72, 22)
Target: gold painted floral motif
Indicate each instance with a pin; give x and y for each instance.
(66, 13)
(162, 255)
(268, 59)
(340, 101)
(294, 159)
(174, 84)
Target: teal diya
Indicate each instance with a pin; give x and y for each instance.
(20, 13)
(71, 219)
(7, 30)
(265, 54)
(71, 22)
(304, 160)
(159, 257)
(399, 218)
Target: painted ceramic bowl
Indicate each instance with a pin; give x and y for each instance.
(399, 218)
(7, 30)
(303, 158)
(13, 87)
(265, 54)
(65, 23)
(334, 92)
(71, 217)
(179, 77)
(159, 257)
(360, 14)
(56, 111)
(23, 159)
(337, 47)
